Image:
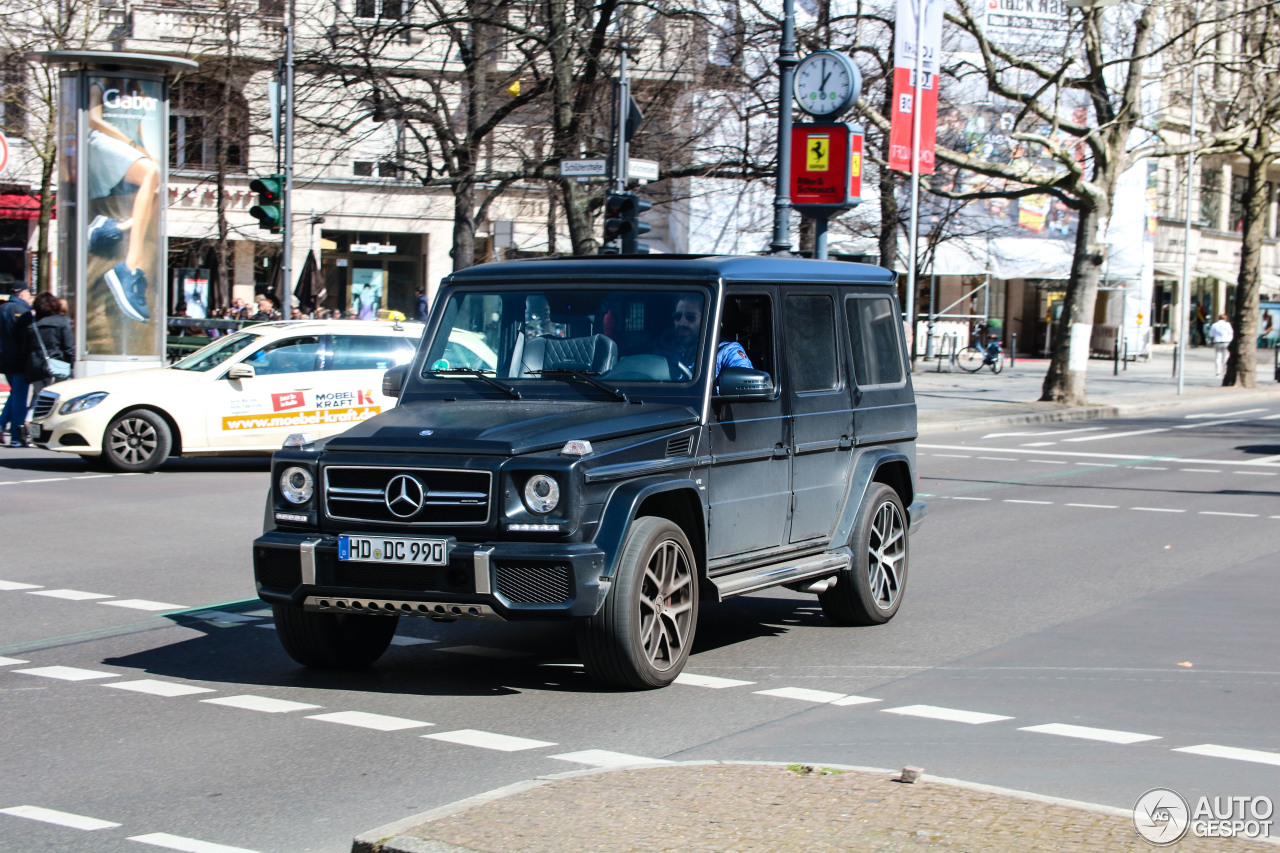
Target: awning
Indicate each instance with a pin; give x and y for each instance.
(20, 207)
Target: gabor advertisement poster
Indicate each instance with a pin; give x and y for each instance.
(124, 156)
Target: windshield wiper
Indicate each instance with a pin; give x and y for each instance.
(478, 374)
(582, 376)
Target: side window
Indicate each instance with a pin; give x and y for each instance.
(748, 320)
(291, 355)
(369, 352)
(877, 348)
(811, 342)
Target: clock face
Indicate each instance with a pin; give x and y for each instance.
(827, 83)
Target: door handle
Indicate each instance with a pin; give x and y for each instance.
(781, 451)
(845, 442)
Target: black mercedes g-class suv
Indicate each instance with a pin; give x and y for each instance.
(607, 440)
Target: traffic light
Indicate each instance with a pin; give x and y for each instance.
(622, 224)
(269, 211)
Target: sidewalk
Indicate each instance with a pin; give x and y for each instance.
(769, 808)
(701, 806)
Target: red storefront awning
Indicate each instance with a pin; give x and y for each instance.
(19, 207)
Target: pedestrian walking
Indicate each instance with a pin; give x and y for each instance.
(13, 358)
(1220, 335)
(55, 343)
(420, 309)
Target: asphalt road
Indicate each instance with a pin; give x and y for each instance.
(1090, 614)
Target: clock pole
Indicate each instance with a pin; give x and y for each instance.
(787, 69)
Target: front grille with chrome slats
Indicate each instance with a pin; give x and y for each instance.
(414, 496)
(44, 405)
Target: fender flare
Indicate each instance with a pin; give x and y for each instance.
(620, 510)
(864, 474)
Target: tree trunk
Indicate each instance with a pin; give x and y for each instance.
(888, 238)
(47, 167)
(1242, 364)
(1069, 361)
(566, 128)
(464, 220)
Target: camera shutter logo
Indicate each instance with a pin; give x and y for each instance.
(1161, 816)
(405, 495)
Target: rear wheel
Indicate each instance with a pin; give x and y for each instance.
(333, 640)
(641, 638)
(137, 440)
(970, 359)
(870, 590)
(998, 364)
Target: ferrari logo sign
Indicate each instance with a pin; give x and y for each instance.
(818, 154)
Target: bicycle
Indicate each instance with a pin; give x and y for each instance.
(973, 358)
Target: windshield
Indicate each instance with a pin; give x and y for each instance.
(207, 358)
(546, 335)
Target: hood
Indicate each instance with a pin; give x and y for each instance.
(502, 427)
(148, 378)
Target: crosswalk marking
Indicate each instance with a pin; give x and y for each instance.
(9, 586)
(362, 720)
(605, 758)
(1089, 733)
(489, 740)
(69, 594)
(265, 704)
(142, 604)
(187, 845)
(951, 715)
(804, 694)
(67, 673)
(714, 682)
(11, 661)
(67, 819)
(156, 687)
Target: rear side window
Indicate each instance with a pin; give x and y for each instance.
(877, 348)
(811, 342)
(369, 352)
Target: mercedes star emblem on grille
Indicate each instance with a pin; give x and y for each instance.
(405, 494)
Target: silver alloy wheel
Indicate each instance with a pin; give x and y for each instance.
(666, 605)
(886, 550)
(133, 441)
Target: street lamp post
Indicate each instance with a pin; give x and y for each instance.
(1184, 287)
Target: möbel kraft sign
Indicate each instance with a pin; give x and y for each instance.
(826, 166)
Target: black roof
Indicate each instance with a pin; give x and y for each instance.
(772, 269)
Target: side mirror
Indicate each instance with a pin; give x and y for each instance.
(241, 371)
(393, 381)
(744, 383)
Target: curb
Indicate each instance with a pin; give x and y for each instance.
(390, 838)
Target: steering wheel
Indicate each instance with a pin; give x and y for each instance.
(685, 373)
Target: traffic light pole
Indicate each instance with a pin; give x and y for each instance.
(286, 247)
(787, 62)
(622, 167)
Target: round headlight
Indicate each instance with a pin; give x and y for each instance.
(297, 485)
(541, 493)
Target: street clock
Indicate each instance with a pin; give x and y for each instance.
(827, 84)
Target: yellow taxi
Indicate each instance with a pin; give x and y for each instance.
(241, 394)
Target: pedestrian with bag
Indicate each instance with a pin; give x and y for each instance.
(50, 344)
(13, 364)
(1221, 335)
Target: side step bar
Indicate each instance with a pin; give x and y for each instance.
(778, 574)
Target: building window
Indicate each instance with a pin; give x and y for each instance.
(386, 10)
(1211, 196)
(383, 168)
(1239, 187)
(199, 113)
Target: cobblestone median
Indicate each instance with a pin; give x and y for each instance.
(760, 808)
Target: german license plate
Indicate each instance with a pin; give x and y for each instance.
(393, 549)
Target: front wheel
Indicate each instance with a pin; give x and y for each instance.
(137, 440)
(869, 592)
(970, 359)
(333, 640)
(997, 363)
(641, 638)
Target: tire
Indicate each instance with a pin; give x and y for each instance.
(135, 441)
(333, 640)
(869, 592)
(970, 359)
(998, 364)
(641, 637)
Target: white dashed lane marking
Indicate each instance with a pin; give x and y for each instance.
(804, 694)
(1017, 501)
(397, 640)
(143, 604)
(1095, 506)
(489, 740)
(265, 704)
(67, 673)
(223, 616)
(1155, 509)
(959, 498)
(1088, 733)
(187, 845)
(362, 720)
(14, 585)
(1231, 514)
(605, 758)
(1213, 750)
(159, 688)
(69, 594)
(11, 661)
(711, 681)
(951, 715)
(67, 819)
